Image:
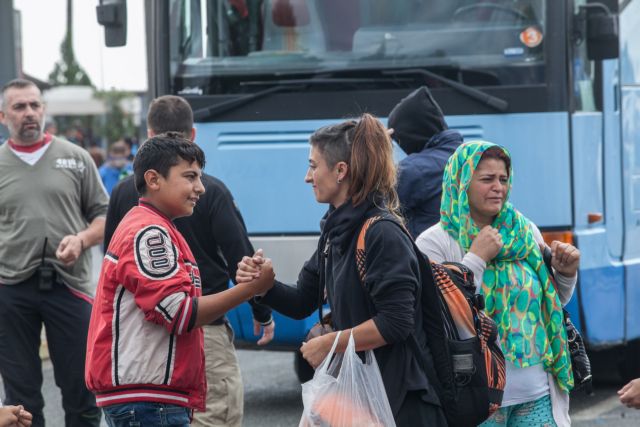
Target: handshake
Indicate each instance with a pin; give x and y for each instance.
(257, 272)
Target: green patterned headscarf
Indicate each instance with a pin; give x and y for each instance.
(519, 295)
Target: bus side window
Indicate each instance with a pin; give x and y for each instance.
(583, 75)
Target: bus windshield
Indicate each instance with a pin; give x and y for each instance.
(216, 45)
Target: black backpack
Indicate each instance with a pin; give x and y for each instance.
(463, 360)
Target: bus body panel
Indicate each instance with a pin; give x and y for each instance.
(586, 163)
(631, 168)
(612, 159)
(601, 275)
(631, 147)
(628, 93)
(264, 164)
(632, 300)
(600, 285)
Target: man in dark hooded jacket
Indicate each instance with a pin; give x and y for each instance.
(420, 130)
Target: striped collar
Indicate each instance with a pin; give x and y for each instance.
(30, 148)
(145, 203)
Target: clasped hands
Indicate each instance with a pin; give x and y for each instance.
(256, 271)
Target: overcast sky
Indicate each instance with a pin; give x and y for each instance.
(44, 26)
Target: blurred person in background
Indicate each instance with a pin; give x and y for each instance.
(133, 144)
(51, 127)
(118, 166)
(97, 154)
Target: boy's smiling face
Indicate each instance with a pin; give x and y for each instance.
(177, 194)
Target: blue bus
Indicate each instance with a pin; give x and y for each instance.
(555, 81)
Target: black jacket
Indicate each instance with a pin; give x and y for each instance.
(420, 181)
(388, 295)
(421, 131)
(215, 233)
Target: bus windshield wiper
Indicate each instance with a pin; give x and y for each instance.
(498, 104)
(217, 109)
(275, 87)
(490, 100)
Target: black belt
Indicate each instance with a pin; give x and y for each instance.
(219, 321)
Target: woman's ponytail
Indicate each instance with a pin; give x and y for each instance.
(372, 169)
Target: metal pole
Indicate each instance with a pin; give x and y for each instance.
(8, 64)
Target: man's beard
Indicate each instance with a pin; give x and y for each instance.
(30, 135)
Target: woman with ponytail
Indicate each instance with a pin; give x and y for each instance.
(351, 168)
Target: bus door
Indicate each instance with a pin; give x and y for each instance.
(629, 101)
(598, 195)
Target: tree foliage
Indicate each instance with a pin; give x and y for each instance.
(117, 123)
(67, 71)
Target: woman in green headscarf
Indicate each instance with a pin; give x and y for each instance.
(481, 229)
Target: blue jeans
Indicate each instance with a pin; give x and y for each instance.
(143, 414)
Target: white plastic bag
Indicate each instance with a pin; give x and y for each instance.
(344, 392)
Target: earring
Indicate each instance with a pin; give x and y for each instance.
(339, 181)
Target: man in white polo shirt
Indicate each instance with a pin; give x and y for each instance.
(52, 210)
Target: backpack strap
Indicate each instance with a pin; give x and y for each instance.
(422, 355)
(361, 254)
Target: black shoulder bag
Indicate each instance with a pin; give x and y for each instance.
(579, 359)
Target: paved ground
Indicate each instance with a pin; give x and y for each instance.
(272, 396)
(272, 391)
(602, 409)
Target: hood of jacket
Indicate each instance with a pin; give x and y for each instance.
(415, 120)
(339, 225)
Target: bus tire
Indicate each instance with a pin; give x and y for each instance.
(304, 371)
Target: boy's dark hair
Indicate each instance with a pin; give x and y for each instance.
(170, 113)
(161, 153)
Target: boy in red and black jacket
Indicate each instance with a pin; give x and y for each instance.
(145, 356)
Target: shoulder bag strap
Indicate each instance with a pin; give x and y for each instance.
(322, 265)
